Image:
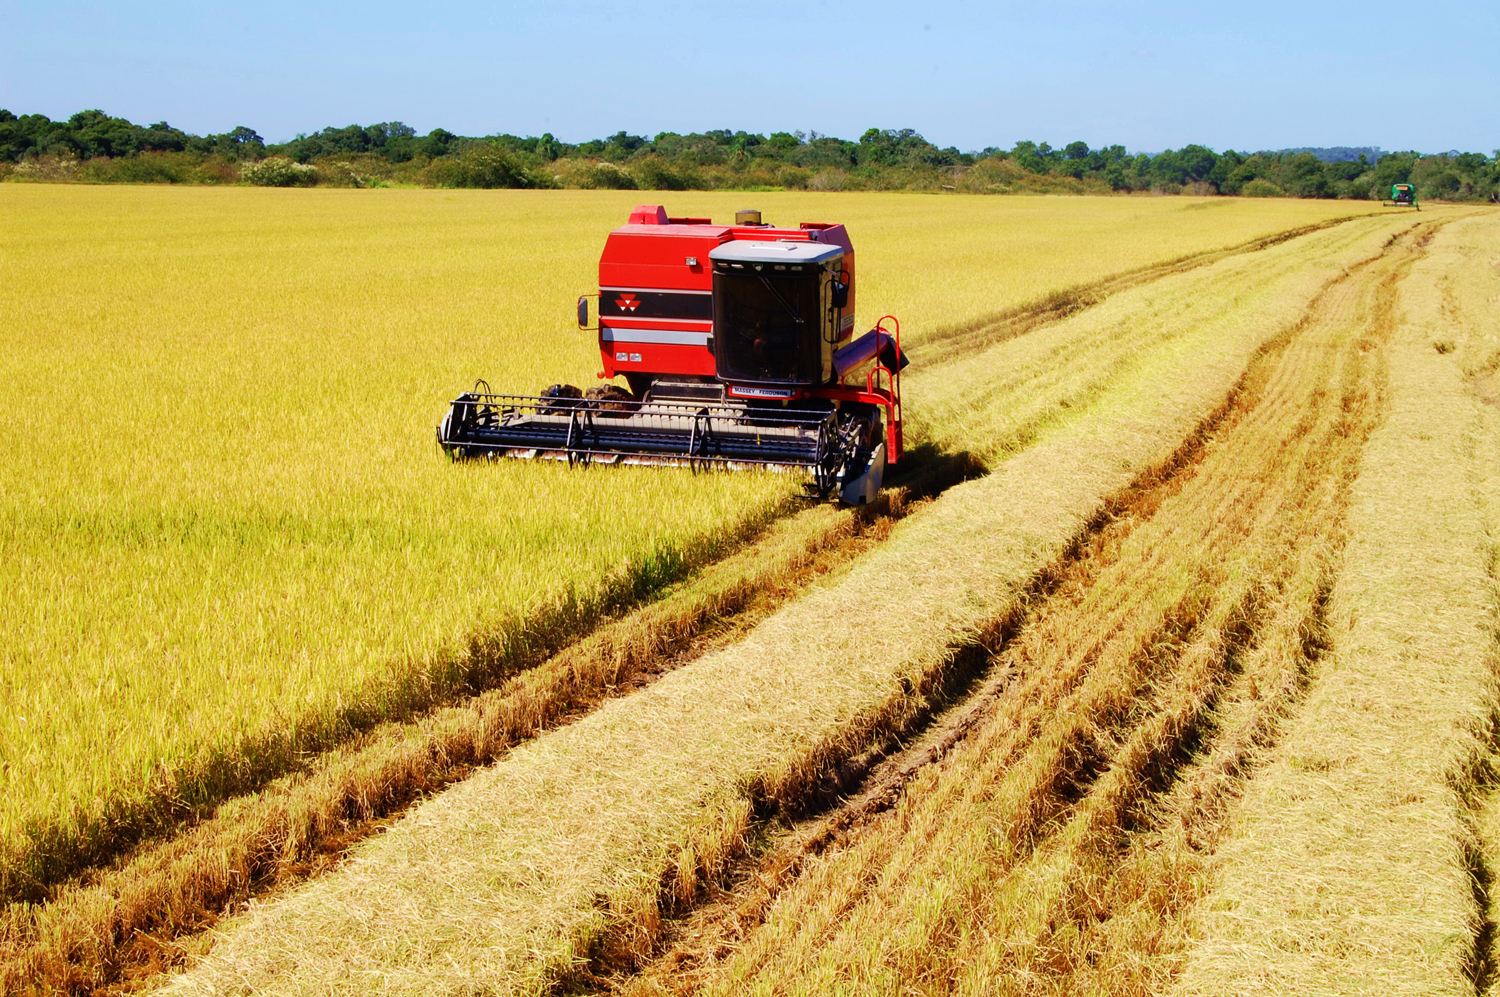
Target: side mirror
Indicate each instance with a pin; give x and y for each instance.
(840, 294)
(583, 311)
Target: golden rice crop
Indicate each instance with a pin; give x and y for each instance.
(567, 848)
(224, 514)
(226, 533)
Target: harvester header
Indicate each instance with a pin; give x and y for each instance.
(736, 346)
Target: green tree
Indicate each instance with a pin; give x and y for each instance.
(483, 166)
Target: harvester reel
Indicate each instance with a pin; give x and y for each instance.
(558, 425)
(701, 442)
(848, 443)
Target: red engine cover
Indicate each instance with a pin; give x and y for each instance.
(655, 289)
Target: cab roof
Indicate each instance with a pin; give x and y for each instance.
(780, 251)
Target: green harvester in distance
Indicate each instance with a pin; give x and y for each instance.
(1403, 194)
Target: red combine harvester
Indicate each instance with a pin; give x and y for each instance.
(737, 344)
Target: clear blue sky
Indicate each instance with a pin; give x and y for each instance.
(1150, 75)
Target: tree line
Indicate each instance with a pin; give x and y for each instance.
(94, 146)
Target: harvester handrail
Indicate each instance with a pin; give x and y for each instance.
(894, 380)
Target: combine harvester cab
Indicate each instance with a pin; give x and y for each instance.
(737, 346)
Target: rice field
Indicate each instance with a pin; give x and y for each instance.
(654, 792)
(242, 572)
(227, 536)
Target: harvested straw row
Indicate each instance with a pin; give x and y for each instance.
(1465, 274)
(970, 337)
(125, 922)
(1129, 940)
(1002, 400)
(1350, 868)
(570, 849)
(998, 872)
(1100, 925)
(713, 930)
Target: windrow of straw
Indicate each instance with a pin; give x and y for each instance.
(1002, 399)
(126, 922)
(1456, 300)
(970, 337)
(1352, 868)
(1058, 847)
(572, 847)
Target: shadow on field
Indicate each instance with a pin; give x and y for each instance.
(927, 471)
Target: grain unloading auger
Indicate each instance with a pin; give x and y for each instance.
(736, 344)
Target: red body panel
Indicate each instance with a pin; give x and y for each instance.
(653, 358)
(655, 256)
(653, 321)
(654, 253)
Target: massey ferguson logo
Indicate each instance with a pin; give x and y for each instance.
(627, 302)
